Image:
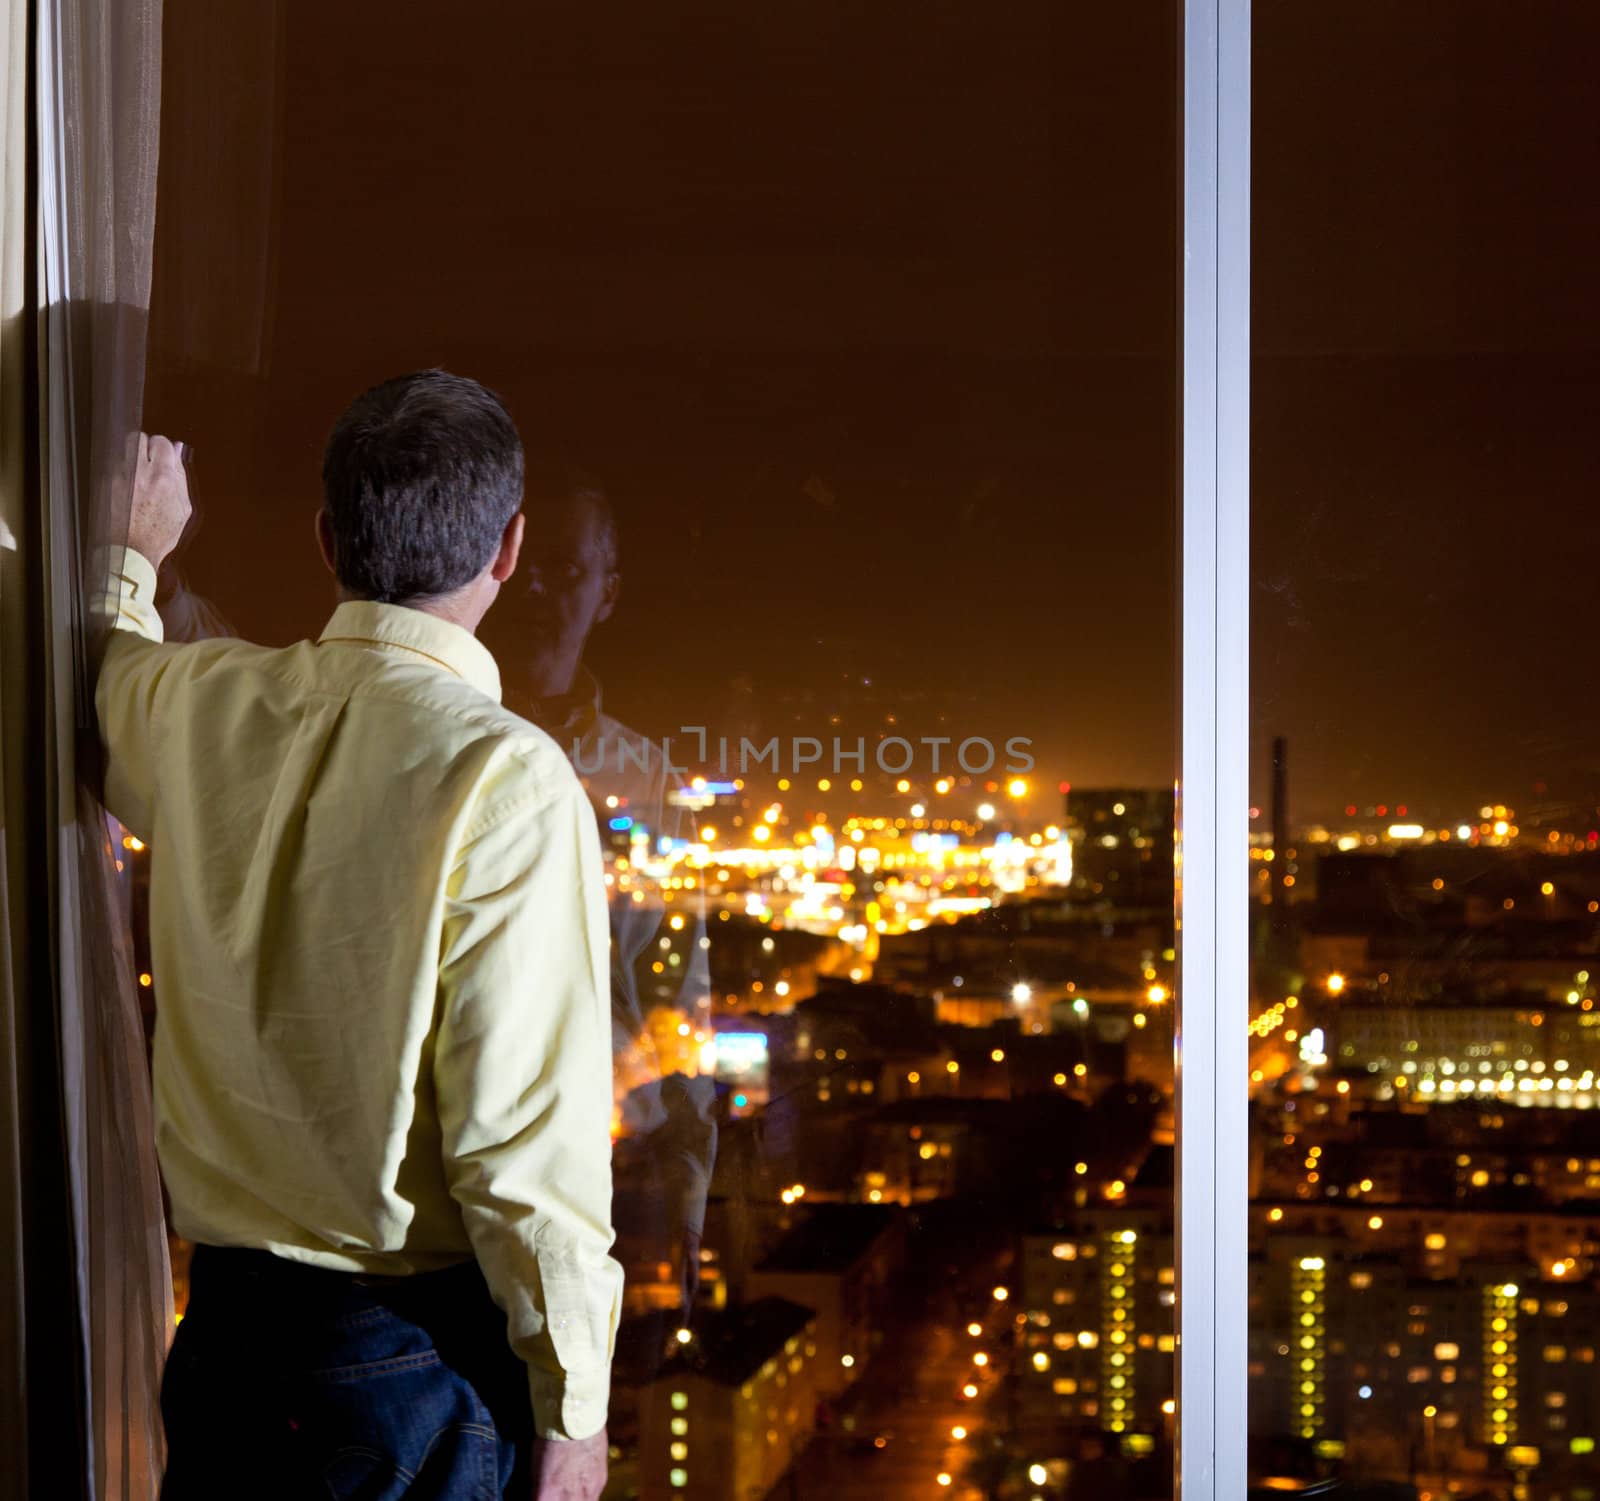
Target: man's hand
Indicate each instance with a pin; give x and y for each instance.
(571, 1469)
(160, 508)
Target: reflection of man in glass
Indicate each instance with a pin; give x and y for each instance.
(569, 583)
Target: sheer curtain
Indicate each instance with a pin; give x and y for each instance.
(88, 1282)
(16, 1105)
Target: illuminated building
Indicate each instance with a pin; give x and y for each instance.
(1032, 959)
(1422, 912)
(1119, 1328)
(854, 1041)
(727, 1413)
(1445, 1158)
(1457, 1365)
(922, 1149)
(1500, 1363)
(1122, 839)
(1095, 1349)
(841, 1261)
(1308, 1344)
(1532, 1053)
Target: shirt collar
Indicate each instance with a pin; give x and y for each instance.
(368, 623)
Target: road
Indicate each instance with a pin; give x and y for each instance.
(912, 1395)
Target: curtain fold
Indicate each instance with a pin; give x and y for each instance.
(96, 103)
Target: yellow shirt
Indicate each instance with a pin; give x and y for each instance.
(380, 947)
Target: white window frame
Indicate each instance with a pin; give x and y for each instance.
(1212, 1056)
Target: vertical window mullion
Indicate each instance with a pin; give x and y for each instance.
(1212, 1055)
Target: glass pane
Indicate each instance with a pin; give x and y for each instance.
(1425, 865)
(842, 342)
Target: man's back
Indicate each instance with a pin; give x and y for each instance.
(379, 946)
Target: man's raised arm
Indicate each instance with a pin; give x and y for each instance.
(133, 660)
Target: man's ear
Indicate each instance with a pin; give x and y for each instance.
(325, 541)
(505, 561)
(608, 600)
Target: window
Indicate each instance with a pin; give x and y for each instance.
(1424, 862)
(853, 349)
(845, 350)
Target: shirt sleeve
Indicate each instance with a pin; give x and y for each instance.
(522, 1074)
(133, 663)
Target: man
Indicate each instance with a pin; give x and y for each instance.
(382, 1063)
(568, 584)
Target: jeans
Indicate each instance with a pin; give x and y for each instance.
(290, 1381)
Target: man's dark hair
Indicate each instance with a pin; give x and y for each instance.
(420, 478)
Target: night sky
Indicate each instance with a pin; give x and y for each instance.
(866, 316)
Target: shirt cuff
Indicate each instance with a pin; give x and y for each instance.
(569, 1407)
(126, 595)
